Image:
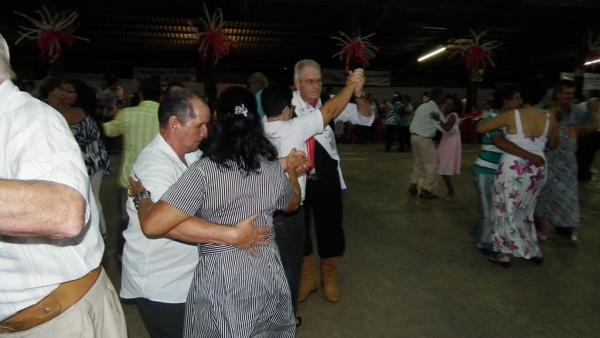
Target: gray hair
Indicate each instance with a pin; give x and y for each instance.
(6, 71)
(259, 78)
(176, 103)
(306, 63)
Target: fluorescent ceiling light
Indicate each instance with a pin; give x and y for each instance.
(591, 62)
(427, 56)
(434, 28)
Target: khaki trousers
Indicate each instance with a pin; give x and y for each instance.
(425, 162)
(97, 314)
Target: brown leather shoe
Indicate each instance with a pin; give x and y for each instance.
(427, 194)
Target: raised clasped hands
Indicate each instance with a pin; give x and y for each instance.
(297, 162)
(357, 77)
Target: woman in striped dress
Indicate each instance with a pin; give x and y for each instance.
(235, 293)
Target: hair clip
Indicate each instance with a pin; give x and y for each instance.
(240, 110)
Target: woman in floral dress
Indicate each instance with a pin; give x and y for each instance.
(518, 182)
(558, 204)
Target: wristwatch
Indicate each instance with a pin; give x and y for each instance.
(137, 199)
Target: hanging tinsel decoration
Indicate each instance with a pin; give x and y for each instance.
(356, 51)
(51, 31)
(479, 55)
(214, 44)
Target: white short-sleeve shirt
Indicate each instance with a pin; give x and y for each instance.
(293, 134)
(326, 136)
(422, 123)
(159, 269)
(37, 144)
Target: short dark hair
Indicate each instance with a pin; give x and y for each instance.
(503, 92)
(178, 104)
(457, 104)
(173, 84)
(562, 85)
(437, 94)
(86, 96)
(533, 90)
(275, 98)
(150, 88)
(47, 85)
(238, 138)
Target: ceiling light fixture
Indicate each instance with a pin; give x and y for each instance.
(435, 28)
(591, 62)
(427, 56)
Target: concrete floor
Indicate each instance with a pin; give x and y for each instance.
(410, 269)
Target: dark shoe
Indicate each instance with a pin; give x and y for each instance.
(412, 189)
(500, 260)
(487, 252)
(539, 260)
(427, 194)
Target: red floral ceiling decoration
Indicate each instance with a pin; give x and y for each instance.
(356, 51)
(214, 43)
(51, 31)
(479, 55)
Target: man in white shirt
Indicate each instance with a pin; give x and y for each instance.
(422, 129)
(157, 272)
(323, 200)
(51, 284)
(287, 133)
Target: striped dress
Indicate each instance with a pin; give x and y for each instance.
(233, 293)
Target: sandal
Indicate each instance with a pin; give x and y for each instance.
(500, 260)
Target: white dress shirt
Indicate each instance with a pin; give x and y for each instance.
(422, 123)
(327, 137)
(159, 269)
(37, 144)
(290, 134)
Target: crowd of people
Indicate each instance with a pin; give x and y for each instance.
(527, 172)
(218, 208)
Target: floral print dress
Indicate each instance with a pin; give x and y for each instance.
(516, 187)
(559, 200)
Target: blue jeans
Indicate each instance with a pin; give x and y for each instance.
(484, 184)
(289, 236)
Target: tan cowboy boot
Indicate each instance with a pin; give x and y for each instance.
(328, 277)
(308, 278)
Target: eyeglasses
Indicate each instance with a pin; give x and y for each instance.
(312, 82)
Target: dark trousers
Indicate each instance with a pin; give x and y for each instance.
(391, 135)
(404, 138)
(162, 320)
(587, 146)
(323, 203)
(289, 236)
